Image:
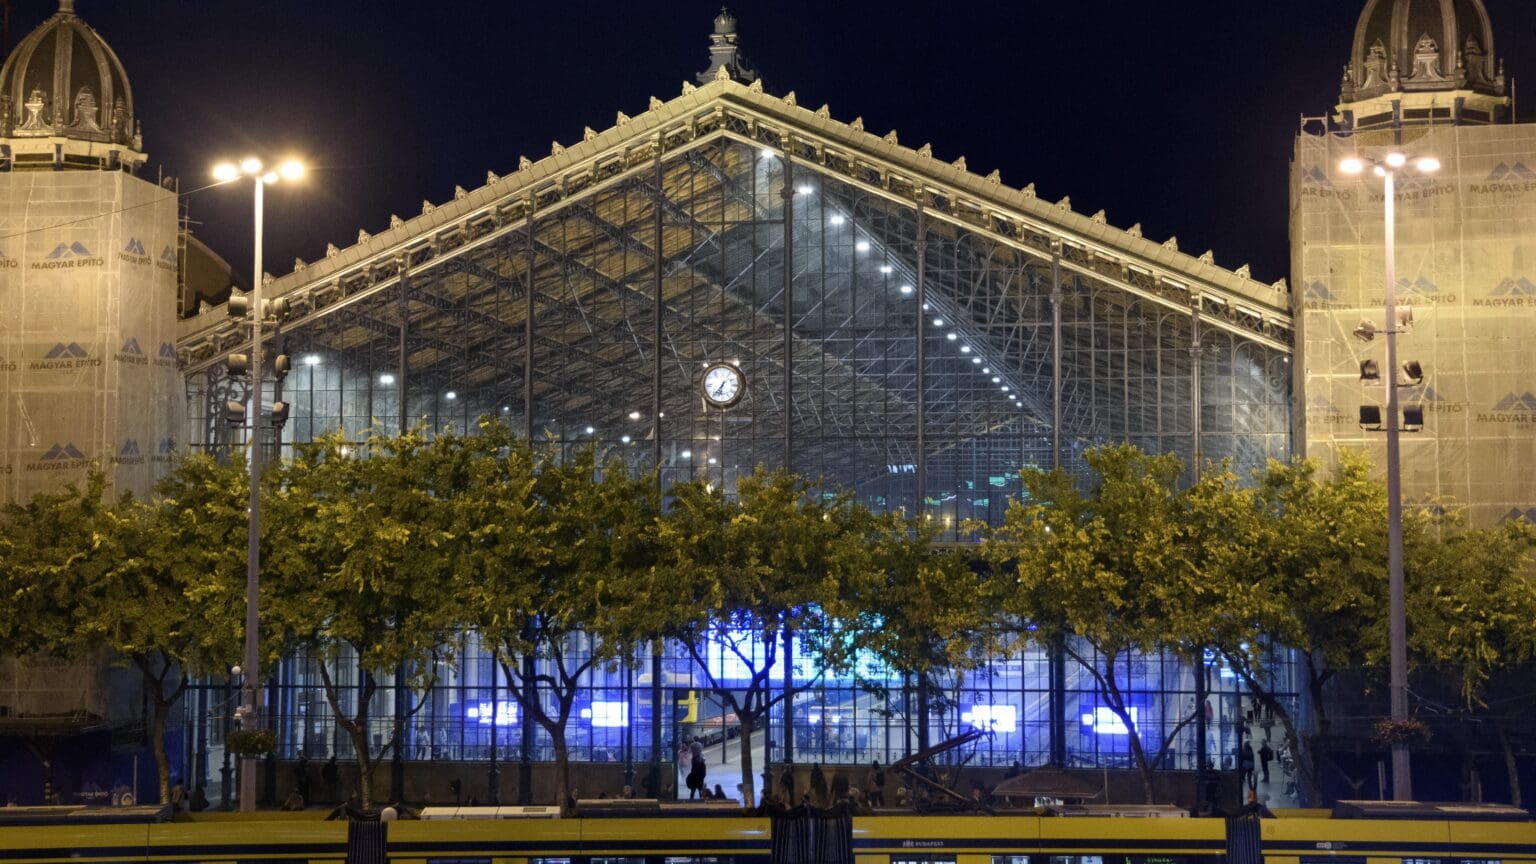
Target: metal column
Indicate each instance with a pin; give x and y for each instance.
(920, 471)
(660, 258)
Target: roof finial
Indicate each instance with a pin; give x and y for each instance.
(67, 7)
(725, 60)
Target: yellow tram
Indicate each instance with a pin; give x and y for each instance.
(1312, 838)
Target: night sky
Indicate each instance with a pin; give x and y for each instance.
(1178, 114)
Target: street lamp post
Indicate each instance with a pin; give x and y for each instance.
(228, 172)
(1387, 169)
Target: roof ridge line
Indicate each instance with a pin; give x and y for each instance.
(1152, 251)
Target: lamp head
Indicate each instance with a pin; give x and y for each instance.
(224, 172)
(291, 169)
(1396, 159)
(250, 165)
(1427, 164)
(1352, 165)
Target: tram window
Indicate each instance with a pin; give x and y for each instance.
(1422, 861)
(1010, 859)
(458, 861)
(620, 860)
(1478, 861)
(1332, 859)
(1077, 859)
(922, 859)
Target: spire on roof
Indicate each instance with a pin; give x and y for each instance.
(725, 52)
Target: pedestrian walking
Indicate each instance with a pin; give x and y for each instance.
(1266, 754)
(696, 773)
(1245, 763)
(876, 784)
(818, 786)
(301, 778)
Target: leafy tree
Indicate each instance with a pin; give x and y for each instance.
(171, 598)
(1298, 561)
(159, 585)
(554, 572)
(1103, 567)
(917, 610)
(739, 573)
(1471, 607)
(362, 564)
(45, 540)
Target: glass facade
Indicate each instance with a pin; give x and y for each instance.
(892, 343)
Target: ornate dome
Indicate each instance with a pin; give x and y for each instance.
(63, 81)
(1419, 46)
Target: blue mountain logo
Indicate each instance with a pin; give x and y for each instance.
(167, 446)
(1517, 171)
(1526, 402)
(1316, 175)
(1319, 291)
(129, 453)
(1428, 394)
(1515, 286)
(1516, 514)
(168, 255)
(62, 451)
(134, 247)
(1512, 408)
(1418, 286)
(60, 351)
(167, 350)
(71, 250)
(131, 353)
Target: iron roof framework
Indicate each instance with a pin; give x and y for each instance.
(862, 288)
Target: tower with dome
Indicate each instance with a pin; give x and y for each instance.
(89, 254)
(1423, 78)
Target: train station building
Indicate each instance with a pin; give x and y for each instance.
(727, 278)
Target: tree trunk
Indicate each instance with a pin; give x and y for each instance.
(1511, 766)
(359, 734)
(747, 723)
(1312, 773)
(562, 769)
(1138, 753)
(154, 685)
(157, 745)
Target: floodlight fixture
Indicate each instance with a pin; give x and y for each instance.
(1396, 159)
(1365, 331)
(1369, 370)
(1352, 165)
(1413, 372)
(1370, 417)
(1413, 418)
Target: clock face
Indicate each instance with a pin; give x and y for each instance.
(723, 385)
